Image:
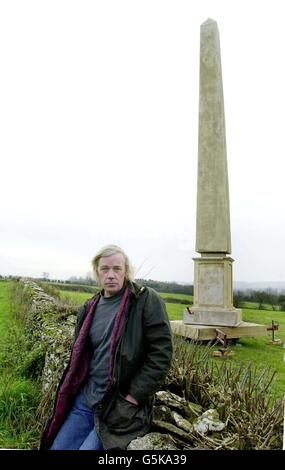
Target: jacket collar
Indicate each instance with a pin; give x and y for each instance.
(136, 289)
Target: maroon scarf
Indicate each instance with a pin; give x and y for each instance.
(75, 374)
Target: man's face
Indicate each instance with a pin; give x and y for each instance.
(111, 273)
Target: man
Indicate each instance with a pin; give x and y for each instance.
(121, 354)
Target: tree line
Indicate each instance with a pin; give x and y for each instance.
(160, 286)
(171, 287)
(263, 298)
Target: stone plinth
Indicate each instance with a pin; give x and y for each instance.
(213, 295)
(207, 333)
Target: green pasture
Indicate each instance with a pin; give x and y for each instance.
(81, 297)
(4, 311)
(166, 295)
(18, 395)
(76, 297)
(254, 305)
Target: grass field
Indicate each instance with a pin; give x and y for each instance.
(81, 297)
(165, 295)
(257, 350)
(18, 395)
(254, 305)
(77, 297)
(4, 313)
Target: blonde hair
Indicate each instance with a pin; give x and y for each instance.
(110, 250)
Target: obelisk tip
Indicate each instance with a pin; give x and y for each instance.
(209, 23)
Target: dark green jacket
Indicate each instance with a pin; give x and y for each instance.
(142, 361)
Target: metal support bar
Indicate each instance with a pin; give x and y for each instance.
(274, 327)
(221, 337)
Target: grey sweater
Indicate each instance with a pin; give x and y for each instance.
(101, 334)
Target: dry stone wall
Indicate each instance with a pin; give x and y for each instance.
(51, 328)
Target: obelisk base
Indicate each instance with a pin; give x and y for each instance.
(213, 293)
(206, 333)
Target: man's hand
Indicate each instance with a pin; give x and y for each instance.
(131, 399)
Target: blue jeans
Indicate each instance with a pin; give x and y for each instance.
(78, 430)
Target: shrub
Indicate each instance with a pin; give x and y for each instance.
(240, 394)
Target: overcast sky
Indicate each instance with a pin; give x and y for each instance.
(99, 134)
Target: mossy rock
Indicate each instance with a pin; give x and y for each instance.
(34, 363)
(153, 441)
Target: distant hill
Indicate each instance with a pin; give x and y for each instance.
(262, 285)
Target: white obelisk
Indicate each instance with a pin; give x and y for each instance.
(213, 283)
